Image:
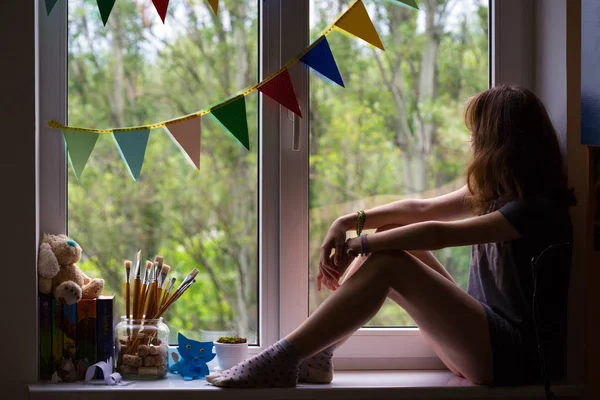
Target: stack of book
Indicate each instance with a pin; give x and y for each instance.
(82, 333)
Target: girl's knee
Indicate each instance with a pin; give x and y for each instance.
(390, 261)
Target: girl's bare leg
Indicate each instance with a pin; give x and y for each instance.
(432, 262)
(437, 305)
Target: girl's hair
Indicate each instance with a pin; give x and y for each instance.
(516, 154)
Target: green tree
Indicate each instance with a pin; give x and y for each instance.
(396, 131)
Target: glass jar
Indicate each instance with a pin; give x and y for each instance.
(142, 348)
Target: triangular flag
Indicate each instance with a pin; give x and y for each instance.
(105, 7)
(409, 3)
(132, 147)
(357, 22)
(187, 136)
(80, 146)
(215, 6)
(320, 58)
(50, 5)
(161, 6)
(233, 117)
(282, 91)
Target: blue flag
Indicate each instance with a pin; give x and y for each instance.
(132, 147)
(320, 58)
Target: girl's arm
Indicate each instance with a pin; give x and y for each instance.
(447, 207)
(435, 235)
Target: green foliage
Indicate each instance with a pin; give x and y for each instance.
(231, 340)
(364, 141)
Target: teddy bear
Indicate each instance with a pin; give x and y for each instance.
(58, 274)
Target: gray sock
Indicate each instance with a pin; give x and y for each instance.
(277, 366)
(318, 368)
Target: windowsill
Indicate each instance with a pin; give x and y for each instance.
(346, 385)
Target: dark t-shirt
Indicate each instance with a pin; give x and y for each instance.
(501, 273)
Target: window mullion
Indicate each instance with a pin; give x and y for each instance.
(294, 152)
(52, 96)
(270, 45)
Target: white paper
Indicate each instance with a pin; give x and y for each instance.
(110, 378)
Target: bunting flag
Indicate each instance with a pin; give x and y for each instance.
(50, 5)
(105, 7)
(320, 58)
(281, 90)
(79, 146)
(215, 6)
(186, 135)
(357, 22)
(409, 3)
(232, 116)
(230, 113)
(132, 147)
(161, 6)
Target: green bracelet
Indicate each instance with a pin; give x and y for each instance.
(360, 222)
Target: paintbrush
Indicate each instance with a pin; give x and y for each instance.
(127, 288)
(150, 307)
(189, 279)
(137, 285)
(173, 299)
(144, 289)
(167, 292)
(161, 284)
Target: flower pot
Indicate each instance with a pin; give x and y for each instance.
(230, 354)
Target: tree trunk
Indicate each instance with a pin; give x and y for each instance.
(116, 44)
(425, 127)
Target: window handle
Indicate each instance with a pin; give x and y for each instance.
(295, 130)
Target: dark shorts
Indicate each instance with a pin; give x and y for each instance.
(515, 358)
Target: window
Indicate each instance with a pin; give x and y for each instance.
(397, 130)
(261, 212)
(136, 70)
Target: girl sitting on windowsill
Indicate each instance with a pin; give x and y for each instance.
(515, 204)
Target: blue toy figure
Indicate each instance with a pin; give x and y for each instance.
(194, 356)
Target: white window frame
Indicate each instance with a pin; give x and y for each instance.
(283, 254)
(53, 184)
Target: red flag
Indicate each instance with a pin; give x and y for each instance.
(161, 6)
(282, 91)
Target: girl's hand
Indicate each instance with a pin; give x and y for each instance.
(333, 285)
(330, 284)
(353, 247)
(334, 240)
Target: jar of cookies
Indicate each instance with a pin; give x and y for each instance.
(142, 348)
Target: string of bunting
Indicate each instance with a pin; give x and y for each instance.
(106, 6)
(185, 131)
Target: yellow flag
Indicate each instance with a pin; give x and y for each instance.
(357, 22)
(215, 5)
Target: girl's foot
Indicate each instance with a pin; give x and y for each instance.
(277, 366)
(318, 368)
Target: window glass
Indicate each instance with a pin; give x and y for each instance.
(397, 130)
(136, 71)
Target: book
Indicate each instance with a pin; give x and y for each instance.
(69, 328)
(86, 333)
(105, 325)
(57, 333)
(45, 314)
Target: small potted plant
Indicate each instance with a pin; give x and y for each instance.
(230, 350)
